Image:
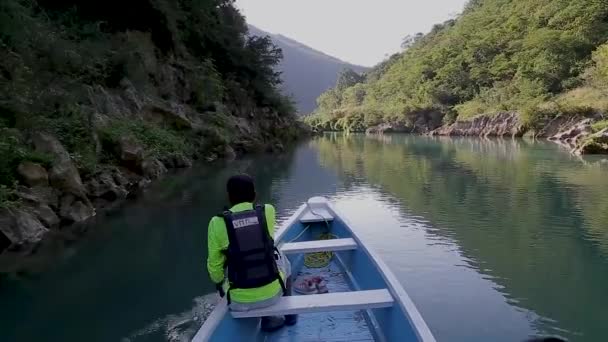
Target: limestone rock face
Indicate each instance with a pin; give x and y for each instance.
(595, 144)
(387, 128)
(507, 124)
(574, 133)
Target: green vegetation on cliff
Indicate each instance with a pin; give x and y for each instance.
(178, 77)
(498, 55)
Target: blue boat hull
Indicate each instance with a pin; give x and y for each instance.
(350, 270)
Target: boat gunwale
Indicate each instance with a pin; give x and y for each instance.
(394, 286)
(217, 315)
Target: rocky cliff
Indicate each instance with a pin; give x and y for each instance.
(583, 134)
(306, 72)
(499, 125)
(98, 99)
(514, 64)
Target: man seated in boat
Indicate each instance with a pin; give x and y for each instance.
(242, 259)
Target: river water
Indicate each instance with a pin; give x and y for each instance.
(495, 240)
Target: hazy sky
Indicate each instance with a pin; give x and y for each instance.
(357, 31)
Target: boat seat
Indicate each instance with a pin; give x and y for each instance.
(316, 215)
(339, 301)
(331, 245)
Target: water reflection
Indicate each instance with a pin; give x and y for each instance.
(493, 239)
(529, 218)
(138, 266)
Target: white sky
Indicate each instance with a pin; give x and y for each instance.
(357, 31)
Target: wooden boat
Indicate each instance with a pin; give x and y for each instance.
(365, 301)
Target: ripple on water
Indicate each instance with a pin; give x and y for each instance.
(179, 327)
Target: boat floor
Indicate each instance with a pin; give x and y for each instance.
(326, 326)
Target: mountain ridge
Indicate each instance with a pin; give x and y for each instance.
(521, 73)
(306, 71)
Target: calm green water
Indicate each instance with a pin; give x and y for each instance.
(495, 240)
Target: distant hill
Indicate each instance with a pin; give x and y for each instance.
(543, 59)
(307, 73)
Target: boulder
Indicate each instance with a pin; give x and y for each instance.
(574, 133)
(387, 128)
(229, 153)
(119, 178)
(5, 242)
(275, 148)
(33, 174)
(144, 183)
(172, 118)
(178, 161)
(65, 205)
(211, 157)
(130, 152)
(39, 195)
(20, 226)
(47, 216)
(153, 168)
(423, 121)
(74, 211)
(41, 201)
(168, 162)
(80, 212)
(595, 144)
(63, 175)
(243, 126)
(103, 185)
(506, 124)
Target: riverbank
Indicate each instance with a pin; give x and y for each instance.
(582, 134)
(95, 105)
(56, 201)
(474, 81)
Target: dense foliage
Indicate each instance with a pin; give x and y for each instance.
(64, 64)
(498, 55)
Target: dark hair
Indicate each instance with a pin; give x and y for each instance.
(240, 189)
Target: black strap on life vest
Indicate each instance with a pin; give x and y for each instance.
(242, 264)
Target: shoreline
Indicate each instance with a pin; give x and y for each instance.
(577, 132)
(42, 221)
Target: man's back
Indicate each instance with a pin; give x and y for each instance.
(218, 242)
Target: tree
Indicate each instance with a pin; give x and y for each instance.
(498, 54)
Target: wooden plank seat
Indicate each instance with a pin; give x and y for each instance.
(331, 245)
(340, 301)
